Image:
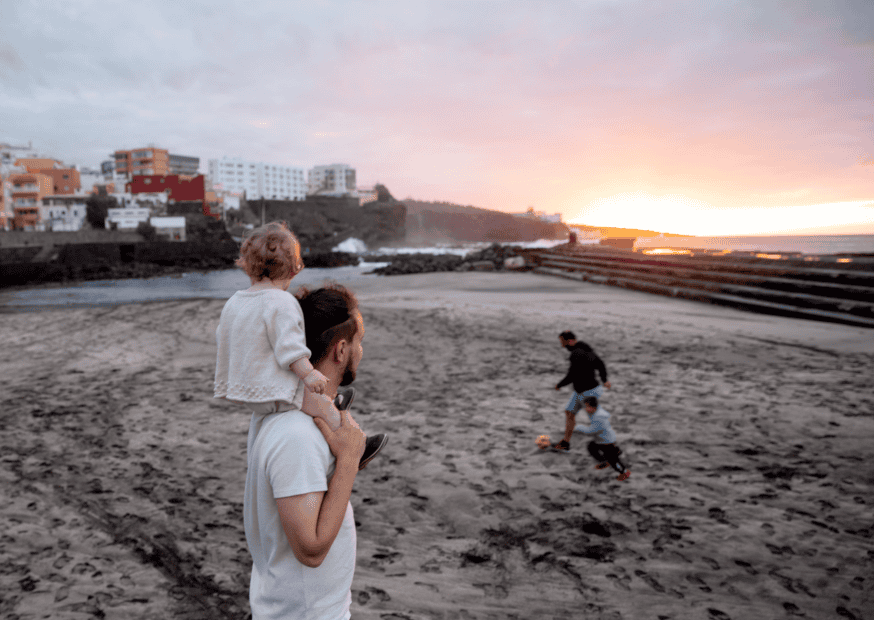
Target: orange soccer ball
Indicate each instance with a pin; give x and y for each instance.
(542, 442)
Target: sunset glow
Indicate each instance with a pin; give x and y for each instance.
(736, 118)
(676, 214)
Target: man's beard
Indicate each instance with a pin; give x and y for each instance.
(348, 374)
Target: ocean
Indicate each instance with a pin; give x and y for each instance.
(804, 244)
(222, 284)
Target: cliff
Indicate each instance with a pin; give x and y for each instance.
(431, 222)
(321, 222)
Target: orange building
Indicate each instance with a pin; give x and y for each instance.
(65, 181)
(28, 189)
(5, 219)
(146, 161)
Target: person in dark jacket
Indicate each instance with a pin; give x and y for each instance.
(584, 372)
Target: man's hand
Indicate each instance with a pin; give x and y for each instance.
(607, 384)
(557, 388)
(347, 442)
(316, 382)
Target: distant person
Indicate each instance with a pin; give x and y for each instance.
(585, 366)
(603, 448)
(572, 238)
(299, 522)
(263, 361)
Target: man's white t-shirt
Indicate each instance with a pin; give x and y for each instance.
(288, 455)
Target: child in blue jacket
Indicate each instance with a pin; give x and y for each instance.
(603, 448)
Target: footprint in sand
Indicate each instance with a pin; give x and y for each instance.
(650, 581)
(620, 581)
(495, 591)
(363, 596)
(713, 564)
(747, 567)
(698, 581)
(716, 614)
(846, 613)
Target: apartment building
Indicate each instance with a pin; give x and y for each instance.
(63, 213)
(5, 215)
(257, 179)
(26, 194)
(184, 165)
(9, 154)
(144, 161)
(65, 181)
(89, 180)
(332, 180)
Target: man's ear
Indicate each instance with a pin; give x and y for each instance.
(341, 349)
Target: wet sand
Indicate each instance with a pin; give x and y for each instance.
(749, 438)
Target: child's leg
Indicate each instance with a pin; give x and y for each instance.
(320, 406)
(615, 460)
(596, 452)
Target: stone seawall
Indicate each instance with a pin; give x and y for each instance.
(25, 239)
(37, 264)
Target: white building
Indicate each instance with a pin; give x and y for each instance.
(63, 213)
(88, 178)
(257, 179)
(333, 180)
(171, 227)
(127, 218)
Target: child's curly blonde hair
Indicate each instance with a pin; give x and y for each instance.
(270, 251)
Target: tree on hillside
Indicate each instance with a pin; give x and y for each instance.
(97, 210)
(382, 193)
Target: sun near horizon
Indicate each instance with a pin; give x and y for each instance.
(678, 214)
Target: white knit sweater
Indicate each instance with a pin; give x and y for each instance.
(260, 334)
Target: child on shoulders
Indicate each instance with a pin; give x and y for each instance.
(262, 359)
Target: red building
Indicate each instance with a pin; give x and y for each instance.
(178, 188)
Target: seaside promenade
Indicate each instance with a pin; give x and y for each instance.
(749, 438)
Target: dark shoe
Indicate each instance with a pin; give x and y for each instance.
(624, 475)
(602, 465)
(562, 446)
(371, 449)
(344, 398)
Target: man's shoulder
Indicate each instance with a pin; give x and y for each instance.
(582, 350)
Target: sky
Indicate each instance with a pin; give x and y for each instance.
(708, 117)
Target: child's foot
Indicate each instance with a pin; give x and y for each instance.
(624, 475)
(562, 446)
(602, 465)
(371, 449)
(344, 398)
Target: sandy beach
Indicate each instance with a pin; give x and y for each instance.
(750, 440)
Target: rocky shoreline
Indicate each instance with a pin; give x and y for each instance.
(492, 258)
(23, 275)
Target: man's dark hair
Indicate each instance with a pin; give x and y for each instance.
(591, 401)
(567, 336)
(329, 315)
